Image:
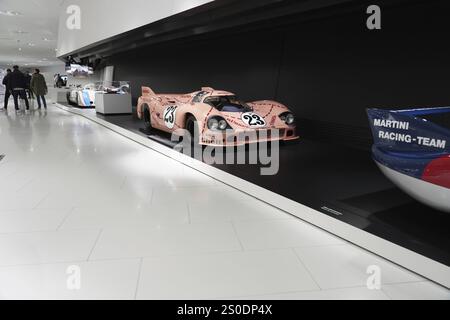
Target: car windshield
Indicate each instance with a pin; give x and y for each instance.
(227, 104)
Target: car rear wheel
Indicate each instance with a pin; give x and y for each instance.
(147, 118)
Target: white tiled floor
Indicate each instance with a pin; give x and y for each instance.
(46, 247)
(223, 275)
(349, 265)
(99, 280)
(139, 225)
(31, 220)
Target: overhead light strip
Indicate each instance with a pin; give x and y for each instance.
(10, 13)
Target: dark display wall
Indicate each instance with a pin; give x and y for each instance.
(328, 70)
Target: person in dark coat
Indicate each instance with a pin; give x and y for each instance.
(18, 84)
(5, 82)
(39, 88)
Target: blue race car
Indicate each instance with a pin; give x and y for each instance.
(412, 148)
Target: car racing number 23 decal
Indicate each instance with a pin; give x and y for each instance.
(170, 116)
(253, 120)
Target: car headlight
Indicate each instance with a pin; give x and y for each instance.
(288, 118)
(217, 124)
(223, 124)
(213, 124)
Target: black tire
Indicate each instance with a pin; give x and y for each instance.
(191, 123)
(147, 118)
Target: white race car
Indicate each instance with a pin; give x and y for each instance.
(84, 97)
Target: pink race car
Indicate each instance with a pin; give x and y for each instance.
(220, 118)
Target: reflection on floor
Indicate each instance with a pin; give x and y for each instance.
(344, 181)
(85, 213)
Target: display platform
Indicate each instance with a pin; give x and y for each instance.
(107, 104)
(347, 187)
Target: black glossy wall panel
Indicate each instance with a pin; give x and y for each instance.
(339, 68)
(247, 65)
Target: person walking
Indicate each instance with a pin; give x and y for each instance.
(5, 82)
(39, 88)
(18, 84)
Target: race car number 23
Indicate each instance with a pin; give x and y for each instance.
(253, 119)
(170, 116)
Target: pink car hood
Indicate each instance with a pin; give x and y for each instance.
(250, 120)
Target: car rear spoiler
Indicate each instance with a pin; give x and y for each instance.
(146, 91)
(409, 130)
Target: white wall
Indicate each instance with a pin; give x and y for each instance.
(102, 19)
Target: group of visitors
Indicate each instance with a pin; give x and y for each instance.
(17, 84)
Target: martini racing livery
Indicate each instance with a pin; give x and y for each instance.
(412, 148)
(219, 117)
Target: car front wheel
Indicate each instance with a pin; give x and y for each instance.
(191, 124)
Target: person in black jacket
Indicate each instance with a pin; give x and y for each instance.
(18, 84)
(7, 88)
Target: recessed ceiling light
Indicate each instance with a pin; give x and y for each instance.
(10, 13)
(20, 49)
(31, 44)
(47, 39)
(20, 32)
